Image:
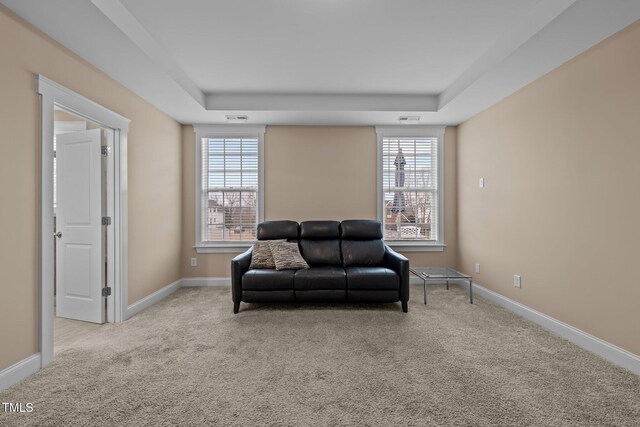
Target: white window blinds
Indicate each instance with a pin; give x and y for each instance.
(410, 188)
(229, 189)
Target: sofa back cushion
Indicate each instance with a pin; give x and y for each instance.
(320, 242)
(275, 230)
(361, 243)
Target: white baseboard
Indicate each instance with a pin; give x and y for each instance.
(206, 281)
(159, 295)
(608, 351)
(19, 371)
(150, 300)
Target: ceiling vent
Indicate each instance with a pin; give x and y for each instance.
(408, 119)
(236, 118)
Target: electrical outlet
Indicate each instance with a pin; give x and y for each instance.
(517, 280)
(481, 183)
(194, 262)
(477, 267)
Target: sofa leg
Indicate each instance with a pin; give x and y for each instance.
(405, 307)
(236, 307)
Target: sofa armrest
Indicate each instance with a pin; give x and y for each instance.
(400, 264)
(239, 266)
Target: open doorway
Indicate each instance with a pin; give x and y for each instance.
(89, 196)
(82, 205)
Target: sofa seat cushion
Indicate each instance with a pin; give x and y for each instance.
(381, 296)
(320, 278)
(321, 295)
(268, 280)
(268, 296)
(372, 278)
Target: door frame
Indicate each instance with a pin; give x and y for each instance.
(51, 94)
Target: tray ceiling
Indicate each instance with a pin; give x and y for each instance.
(326, 61)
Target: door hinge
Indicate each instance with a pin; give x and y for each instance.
(106, 150)
(106, 291)
(106, 220)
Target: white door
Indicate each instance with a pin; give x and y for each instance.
(79, 249)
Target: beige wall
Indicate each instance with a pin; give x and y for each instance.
(154, 187)
(561, 206)
(315, 172)
(320, 172)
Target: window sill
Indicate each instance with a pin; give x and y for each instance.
(231, 248)
(415, 246)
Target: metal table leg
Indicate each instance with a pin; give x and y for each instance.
(424, 288)
(470, 291)
(447, 284)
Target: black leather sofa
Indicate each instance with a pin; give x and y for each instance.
(348, 262)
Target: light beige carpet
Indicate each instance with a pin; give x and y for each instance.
(190, 361)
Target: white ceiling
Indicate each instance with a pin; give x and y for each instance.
(356, 46)
(326, 61)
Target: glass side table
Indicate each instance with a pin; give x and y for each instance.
(438, 275)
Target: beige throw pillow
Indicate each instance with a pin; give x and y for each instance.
(261, 257)
(287, 256)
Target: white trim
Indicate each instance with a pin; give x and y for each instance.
(207, 131)
(161, 294)
(188, 282)
(261, 174)
(414, 246)
(608, 351)
(53, 94)
(19, 371)
(413, 131)
(80, 105)
(152, 299)
(121, 234)
(45, 338)
(223, 248)
(110, 209)
(110, 212)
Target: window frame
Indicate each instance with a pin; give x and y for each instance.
(409, 131)
(225, 131)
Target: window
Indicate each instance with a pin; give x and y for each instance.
(410, 186)
(229, 185)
